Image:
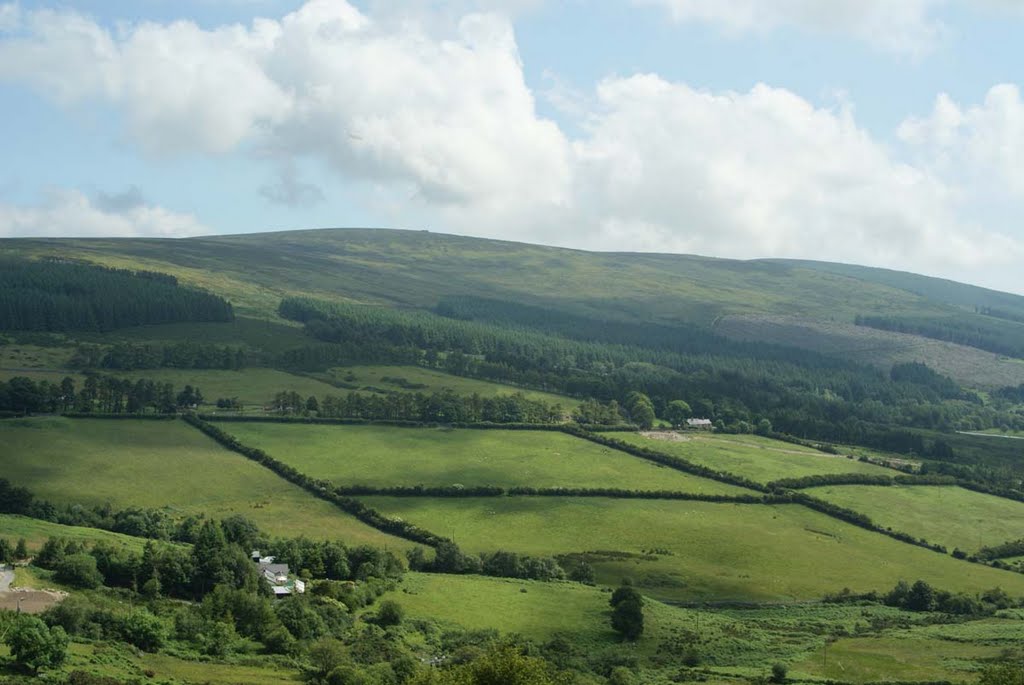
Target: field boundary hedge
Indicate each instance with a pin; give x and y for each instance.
(526, 491)
(318, 488)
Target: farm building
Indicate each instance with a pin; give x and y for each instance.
(278, 576)
(699, 424)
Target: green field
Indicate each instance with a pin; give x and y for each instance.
(717, 551)
(383, 456)
(533, 609)
(164, 464)
(36, 532)
(252, 386)
(433, 380)
(900, 656)
(949, 516)
(759, 459)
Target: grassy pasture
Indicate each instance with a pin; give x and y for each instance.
(950, 516)
(534, 609)
(253, 386)
(716, 551)
(759, 459)
(384, 456)
(541, 611)
(898, 656)
(164, 464)
(36, 533)
(434, 380)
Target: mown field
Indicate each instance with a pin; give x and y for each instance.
(164, 464)
(714, 551)
(950, 516)
(420, 379)
(759, 459)
(383, 456)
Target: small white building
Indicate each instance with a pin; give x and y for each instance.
(699, 424)
(278, 576)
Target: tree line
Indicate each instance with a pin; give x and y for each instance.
(97, 393)
(184, 355)
(61, 295)
(803, 395)
(443, 406)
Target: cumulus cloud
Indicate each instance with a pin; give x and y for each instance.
(985, 141)
(441, 129)
(899, 26)
(449, 113)
(665, 167)
(72, 213)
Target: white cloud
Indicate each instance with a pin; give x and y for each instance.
(664, 167)
(71, 213)
(899, 26)
(438, 126)
(982, 144)
(450, 114)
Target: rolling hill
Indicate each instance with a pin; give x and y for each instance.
(418, 269)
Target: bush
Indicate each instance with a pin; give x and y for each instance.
(35, 646)
(79, 570)
(779, 672)
(390, 613)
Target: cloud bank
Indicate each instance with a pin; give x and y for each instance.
(440, 127)
(70, 213)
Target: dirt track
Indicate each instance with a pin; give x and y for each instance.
(31, 601)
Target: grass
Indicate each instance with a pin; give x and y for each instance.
(122, 662)
(385, 456)
(253, 386)
(759, 459)
(14, 356)
(536, 610)
(433, 380)
(164, 464)
(900, 656)
(36, 532)
(702, 551)
(950, 516)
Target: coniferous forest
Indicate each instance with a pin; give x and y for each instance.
(56, 295)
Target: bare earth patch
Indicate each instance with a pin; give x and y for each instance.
(31, 601)
(668, 436)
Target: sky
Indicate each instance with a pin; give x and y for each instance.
(880, 132)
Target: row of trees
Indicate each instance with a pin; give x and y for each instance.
(443, 406)
(61, 295)
(184, 355)
(98, 393)
(737, 386)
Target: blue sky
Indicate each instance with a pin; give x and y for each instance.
(880, 132)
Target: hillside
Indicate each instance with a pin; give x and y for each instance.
(462, 416)
(419, 269)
